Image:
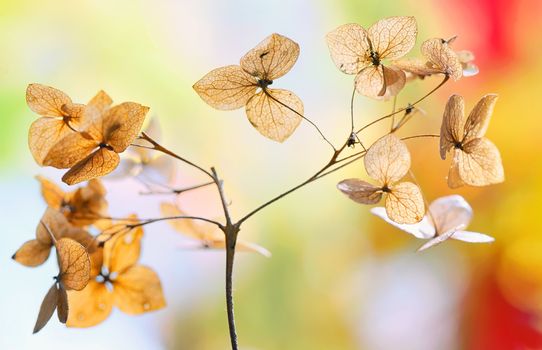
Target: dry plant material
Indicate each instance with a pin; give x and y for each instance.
(355, 50)
(94, 150)
(36, 251)
(82, 207)
(205, 234)
(387, 161)
(116, 280)
(144, 163)
(447, 217)
(74, 273)
(275, 113)
(476, 161)
(59, 117)
(440, 59)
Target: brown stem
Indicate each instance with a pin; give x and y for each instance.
(178, 190)
(231, 239)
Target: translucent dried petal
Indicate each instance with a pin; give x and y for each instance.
(387, 160)
(404, 204)
(46, 101)
(43, 134)
(226, 88)
(478, 120)
(450, 212)
(472, 237)
(394, 81)
(121, 125)
(100, 163)
(349, 48)
(442, 57)
(70, 150)
(100, 102)
(271, 118)
(47, 308)
(271, 58)
(138, 290)
(90, 306)
(423, 229)
(480, 163)
(360, 191)
(438, 240)
(393, 37)
(454, 179)
(74, 264)
(451, 130)
(370, 82)
(416, 66)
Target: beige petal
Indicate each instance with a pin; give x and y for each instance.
(349, 48)
(387, 160)
(442, 57)
(454, 179)
(478, 120)
(394, 81)
(100, 163)
(393, 37)
(43, 134)
(451, 130)
(415, 66)
(268, 113)
(101, 102)
(122, 251)
(46, 101)
(32, 253)
(271, 58)
(226, 88)
(450, 212)
(480, 163)
(360, 191)
(90, 306)
(121, 124)
(404, 204)
(370, 82)
(47, 308)
(74, 264)
(51, 193)
(138, 290)
(70, 150)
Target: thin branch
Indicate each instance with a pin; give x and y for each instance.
(352, 110)
(446, 78)
(179, 217)
(419, 136)
(164, 150)
(178, 190)
(302, 116)
(219, 185)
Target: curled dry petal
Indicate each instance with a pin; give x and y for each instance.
(387, 160)
(271, 112)
(442, 57)
(479, 117)
(226, 88)
(272, 58)
(360, 191)
(451, 130)
(404, 203)
(47, 308)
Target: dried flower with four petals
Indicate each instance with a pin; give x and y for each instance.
(477, 161)
(388, 161)
(94, 150)
(206, 234)
(59, 117)
(36, 251)
(82, 207)
(74, 273)
(355, 50)
(447, 217)
(441, 59)
(275, 113)
(116, 280)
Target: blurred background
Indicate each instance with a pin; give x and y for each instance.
(339, 278)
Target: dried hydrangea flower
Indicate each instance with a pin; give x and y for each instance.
(476, 161)
(387, 161)
(355, 50)
(447, 217)
(275, 113)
